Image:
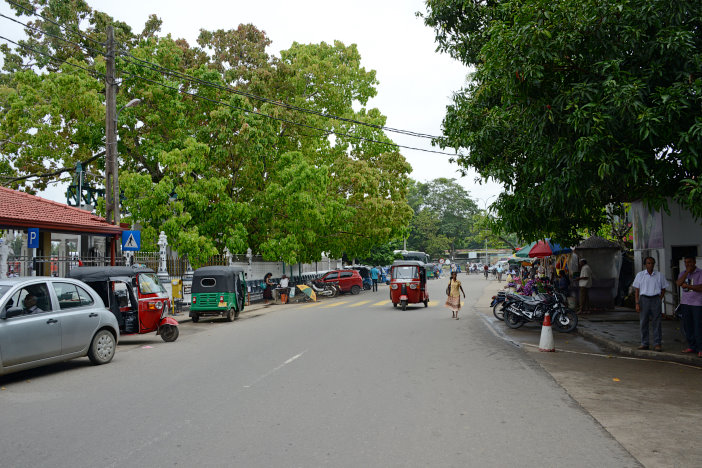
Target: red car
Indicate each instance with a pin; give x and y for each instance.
(348, 280)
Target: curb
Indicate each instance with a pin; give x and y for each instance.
(638, 353)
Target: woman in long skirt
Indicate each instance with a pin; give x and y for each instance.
(453, 301)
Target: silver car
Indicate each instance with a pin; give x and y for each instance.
(44, 320)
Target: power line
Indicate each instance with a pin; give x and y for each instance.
(232, 90)
(184, 76)
(99, 52)
(34, 12)
(50, 57)
(322, 131)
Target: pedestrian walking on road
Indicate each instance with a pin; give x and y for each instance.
(690, 281)
(374, 276)
(584, 283)
(486, 269)
(499, 273)
(453, 301)
(649, 286)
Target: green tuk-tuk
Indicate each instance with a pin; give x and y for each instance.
(218, 291)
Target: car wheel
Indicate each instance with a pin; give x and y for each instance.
(355, 289)
(169, 333)
(102, 348)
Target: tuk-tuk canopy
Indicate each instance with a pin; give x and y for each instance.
(409, 263)
(223, 278)
(104, 273)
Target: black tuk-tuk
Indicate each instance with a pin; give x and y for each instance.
(219, 291)
(134, 295)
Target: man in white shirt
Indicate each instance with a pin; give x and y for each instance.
(584, 283)
(649, 287)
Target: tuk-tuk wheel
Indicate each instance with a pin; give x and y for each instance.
(426, 303)
(404, 305)
(230, 315)
(196, 318)
(169, 333)
(394, 304)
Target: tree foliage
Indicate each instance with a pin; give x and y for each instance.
(574, 106)
(443, 212)
(211, 160)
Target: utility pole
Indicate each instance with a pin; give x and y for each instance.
(111, 162)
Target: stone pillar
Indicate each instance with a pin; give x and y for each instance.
(228, 257)
(187, 281)
(162, 272)
(4, 253)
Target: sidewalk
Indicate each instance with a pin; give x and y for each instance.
(618, 330)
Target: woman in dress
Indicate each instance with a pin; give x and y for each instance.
(268, 291)
(453, 301)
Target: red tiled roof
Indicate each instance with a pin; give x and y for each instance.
(22, 210)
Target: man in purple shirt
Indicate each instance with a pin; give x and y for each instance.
(690, 281)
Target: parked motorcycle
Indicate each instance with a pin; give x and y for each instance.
(518, 310)
(496, 305)
(324, 289)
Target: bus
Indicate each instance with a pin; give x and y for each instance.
(413, 255)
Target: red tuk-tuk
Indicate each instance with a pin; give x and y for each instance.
(134, 295)
(408, 283)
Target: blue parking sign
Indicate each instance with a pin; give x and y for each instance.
(131, 241)
(33, 238)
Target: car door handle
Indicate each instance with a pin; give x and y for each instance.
(52, 321)
(92, 314)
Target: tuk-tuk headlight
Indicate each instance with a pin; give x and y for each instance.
(413, 286)
(393, 286)
(159, 305)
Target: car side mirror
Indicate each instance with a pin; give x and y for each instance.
(11, 312)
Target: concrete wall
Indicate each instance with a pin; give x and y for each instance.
(679, 229)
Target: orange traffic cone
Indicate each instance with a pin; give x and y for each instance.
(546, 341)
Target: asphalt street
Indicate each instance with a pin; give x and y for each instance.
(346, 382)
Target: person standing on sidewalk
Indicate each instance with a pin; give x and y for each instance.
(690, 281)
(650, 287)
(584, 283)
(374, 276)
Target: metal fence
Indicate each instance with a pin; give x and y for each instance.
(176, 266)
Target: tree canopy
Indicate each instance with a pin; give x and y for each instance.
(443, 213)
(230, 146)
(574, 106)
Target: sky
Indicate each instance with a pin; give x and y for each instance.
(415, 82)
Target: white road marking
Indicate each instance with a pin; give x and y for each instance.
(272, 371)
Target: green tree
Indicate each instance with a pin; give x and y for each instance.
(443, 211)
(207, 165)
(574, 106)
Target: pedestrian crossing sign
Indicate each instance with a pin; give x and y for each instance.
(131, 241)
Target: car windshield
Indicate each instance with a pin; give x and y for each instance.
(405, 273)
(148, 284)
